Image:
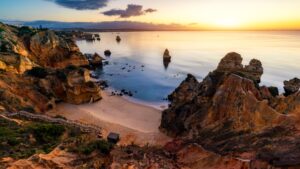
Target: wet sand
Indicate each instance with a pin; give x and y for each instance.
(135, 123)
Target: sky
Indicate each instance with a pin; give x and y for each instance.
(210, 14)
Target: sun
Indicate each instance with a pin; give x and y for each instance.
(227, 23)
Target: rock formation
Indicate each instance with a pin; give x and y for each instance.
(118, 39)
(43, 47)
(39, 68)
(107, 52)
(292, 86)
(167, 56)
(228, 113)
(95, 60)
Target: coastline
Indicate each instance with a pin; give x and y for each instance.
(160, 106)
(136, 123)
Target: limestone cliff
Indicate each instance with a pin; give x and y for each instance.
(228, 113)
(41, 67)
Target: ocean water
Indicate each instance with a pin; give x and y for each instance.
(136, 63)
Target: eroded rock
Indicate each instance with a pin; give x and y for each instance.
(292, 86)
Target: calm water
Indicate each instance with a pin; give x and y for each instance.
(136, 62)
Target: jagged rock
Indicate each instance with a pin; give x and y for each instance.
(231, 62)
(50, 50)
(255, 69)
(228, 113)
(274, 91)
(291, 86)
(15, 63)
(96, 60)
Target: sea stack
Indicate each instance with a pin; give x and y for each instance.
(118, 39)
(107, 52)
(167, 56)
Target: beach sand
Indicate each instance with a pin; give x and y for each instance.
(134, 122)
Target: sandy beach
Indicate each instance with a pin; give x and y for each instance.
(136, 123)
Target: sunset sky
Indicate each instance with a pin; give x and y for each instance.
(211, 14)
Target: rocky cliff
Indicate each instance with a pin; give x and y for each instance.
(41, 67)
(42, 47)
(228, 113)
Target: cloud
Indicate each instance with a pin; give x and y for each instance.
(131, 10)
(81, 4)
(150, 10)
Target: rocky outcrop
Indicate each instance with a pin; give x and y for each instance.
(292, 86)
(42, 47)
(107, 52)
(39, 68)
(229, 113)
(232, 62)
(38, 92)
(15, 63)
(167, 56)
(95, 60)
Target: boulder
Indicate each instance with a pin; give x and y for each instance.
(96, 60)
(107, 52)
(231, 62)
(118, 39)
(292, 86)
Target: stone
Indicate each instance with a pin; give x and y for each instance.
(118, 39)
(292, 86)
(107, 52)
(231, 62)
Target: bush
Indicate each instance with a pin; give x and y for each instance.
(45, 133)
(25, 30)
(38, 72)
(101, 145)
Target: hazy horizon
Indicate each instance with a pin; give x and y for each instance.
(191, 14)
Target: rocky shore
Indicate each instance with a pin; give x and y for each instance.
(230, 114)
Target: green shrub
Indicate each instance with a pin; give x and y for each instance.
(101, 145)
(38, 72)
(25, 30)
(45, 133)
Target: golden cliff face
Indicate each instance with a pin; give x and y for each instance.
(228, 113)
(41, 47)
(39, 68)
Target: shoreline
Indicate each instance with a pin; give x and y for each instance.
(136, 123)
(160, 106)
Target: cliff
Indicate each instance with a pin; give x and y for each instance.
(229, 113)
(41, 67)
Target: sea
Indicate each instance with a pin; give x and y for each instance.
(136, 62)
